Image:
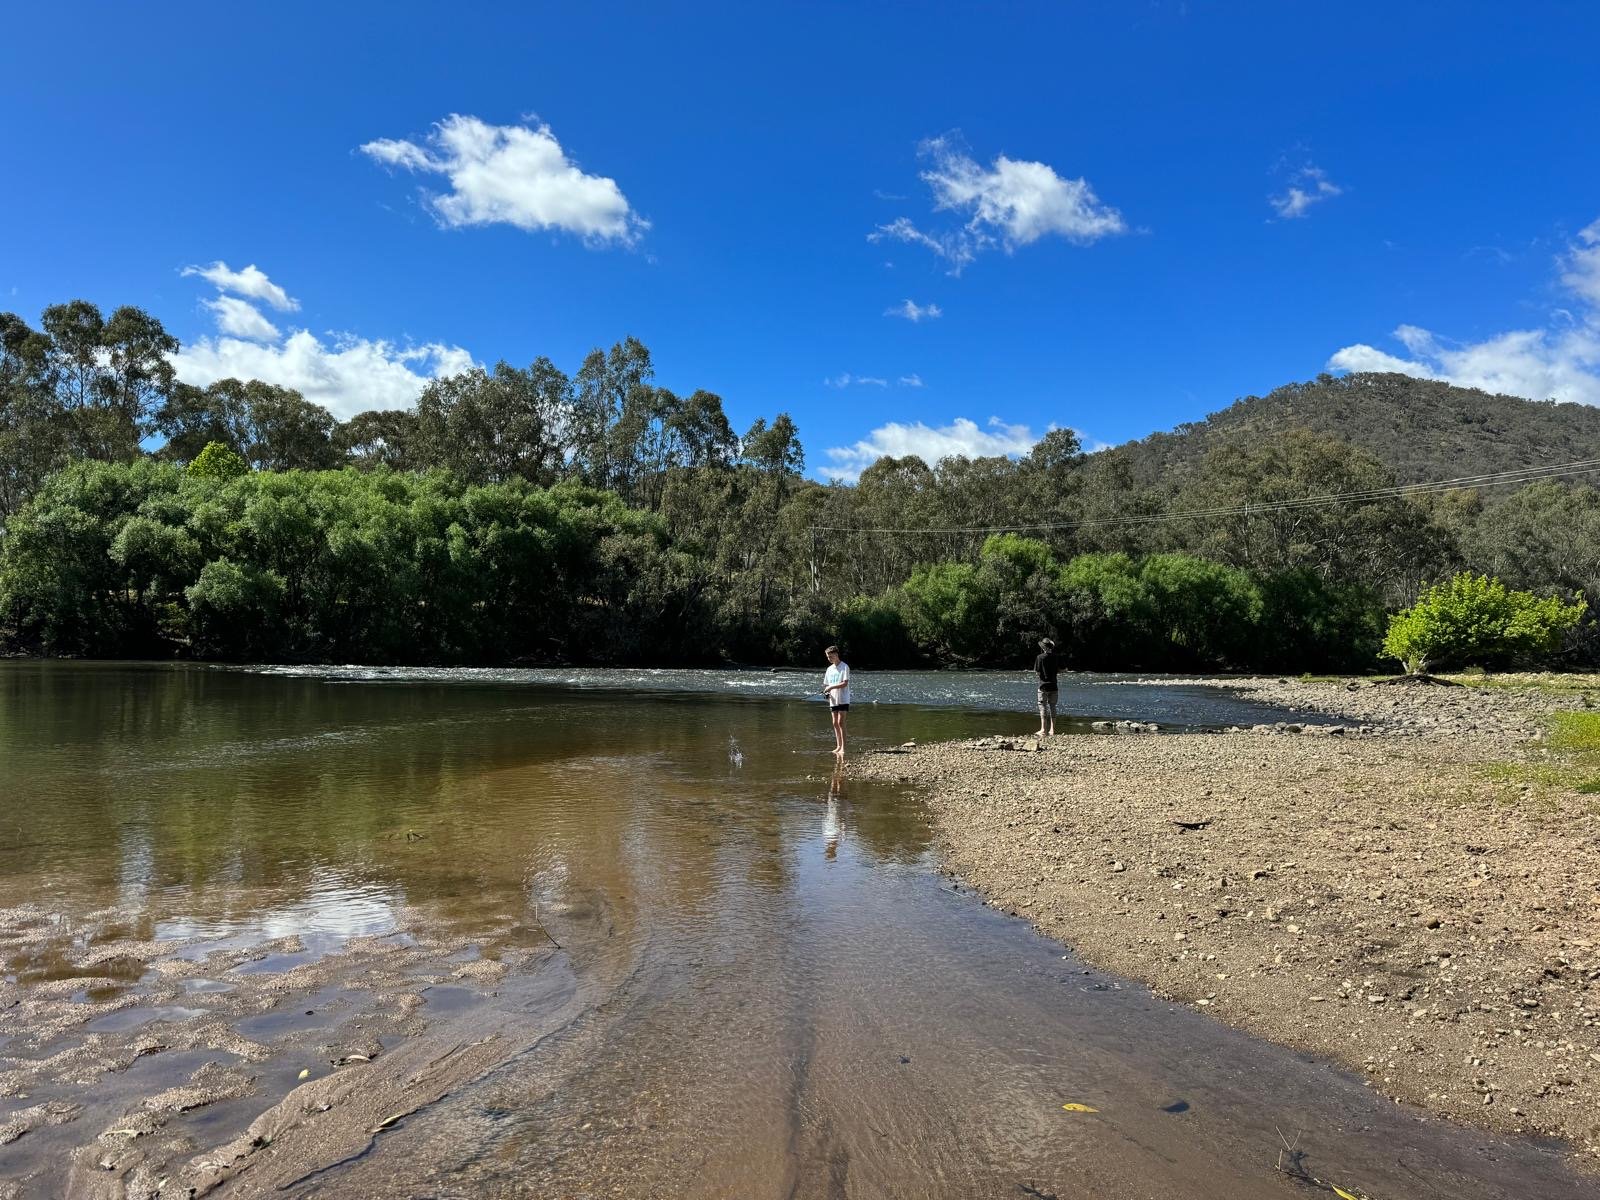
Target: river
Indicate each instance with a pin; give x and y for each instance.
(752, 979)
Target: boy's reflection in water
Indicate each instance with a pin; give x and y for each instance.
(830, 823)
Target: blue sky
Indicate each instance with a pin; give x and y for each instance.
(1114, 217)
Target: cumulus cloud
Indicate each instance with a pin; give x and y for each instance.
(240, 318)
(1010, 203)
(515, 175)
(1308, 186)
(962, 438)
(1558, 362)
(252, 282)
(910, 380)
(914, 312)
(344, 373)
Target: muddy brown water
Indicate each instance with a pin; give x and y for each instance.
(763, 987)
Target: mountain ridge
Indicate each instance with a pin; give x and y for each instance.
(1422, 429)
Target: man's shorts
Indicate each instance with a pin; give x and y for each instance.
(838, 708)
(1047, 696)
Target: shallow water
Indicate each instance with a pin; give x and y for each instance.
(778, 993)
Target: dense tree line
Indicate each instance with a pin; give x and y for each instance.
(524, 514)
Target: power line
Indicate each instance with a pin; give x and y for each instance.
(1589, 466)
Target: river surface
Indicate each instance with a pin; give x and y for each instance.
(770, 989)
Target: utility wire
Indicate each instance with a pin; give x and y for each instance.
(1588, 466)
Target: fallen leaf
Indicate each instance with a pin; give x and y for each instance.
(1079, 1108)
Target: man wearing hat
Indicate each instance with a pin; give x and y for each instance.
(1044, 667)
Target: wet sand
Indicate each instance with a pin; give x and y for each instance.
(1414, 894)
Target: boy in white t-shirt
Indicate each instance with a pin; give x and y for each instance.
(836, 687)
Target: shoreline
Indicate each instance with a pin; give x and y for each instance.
(1413, 897)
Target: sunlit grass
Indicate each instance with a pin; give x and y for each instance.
(1575, 731)
(1569, 763)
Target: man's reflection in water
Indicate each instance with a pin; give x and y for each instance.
(830, 823)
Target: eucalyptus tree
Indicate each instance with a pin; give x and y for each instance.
(33, 437)
(491, 426)
(110, 375)
(272, 428)
(385, 437)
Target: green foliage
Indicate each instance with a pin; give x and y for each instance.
(1206, 612)
(950, 610)
(872, 631)
(217, 461)
(1472, 619)
(343, 565)
(1314, 624)
(522, 513)
(1106, 613)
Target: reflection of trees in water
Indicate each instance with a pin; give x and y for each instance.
(231, 800)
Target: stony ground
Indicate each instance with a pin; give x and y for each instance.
(1415, 895)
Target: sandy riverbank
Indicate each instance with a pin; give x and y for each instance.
(1415, 895)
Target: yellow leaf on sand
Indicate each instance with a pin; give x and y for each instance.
(1079, 1108)
(1342, 1194)
(306, 1074)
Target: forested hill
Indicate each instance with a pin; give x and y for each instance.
(1421, 428)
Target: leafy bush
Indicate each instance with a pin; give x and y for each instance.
(1475, 620)
(1309, 623)
(950, 611)
(217, 461)
(1105, 613)
(876, 625)
(1205, 613)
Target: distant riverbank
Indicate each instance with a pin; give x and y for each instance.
(1411, 893)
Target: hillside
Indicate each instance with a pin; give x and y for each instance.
(1422, 428)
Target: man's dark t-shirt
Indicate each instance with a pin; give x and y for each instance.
(1045, 668)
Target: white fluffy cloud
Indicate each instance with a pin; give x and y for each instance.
(912, 380)
(1308, 186)
(1011, 203)
(914, 312)
(515, 175)
(961, 438)
(345, 374)
(240, 318)
(1581, 266)
(1558, 362)
(252, 282)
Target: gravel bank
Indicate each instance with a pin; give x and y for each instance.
(1417, 901)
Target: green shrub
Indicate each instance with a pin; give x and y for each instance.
(217, 461)
(1476, 620)
(1206, 612)
(950, 612)
(876, 625)
(1312, 624)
